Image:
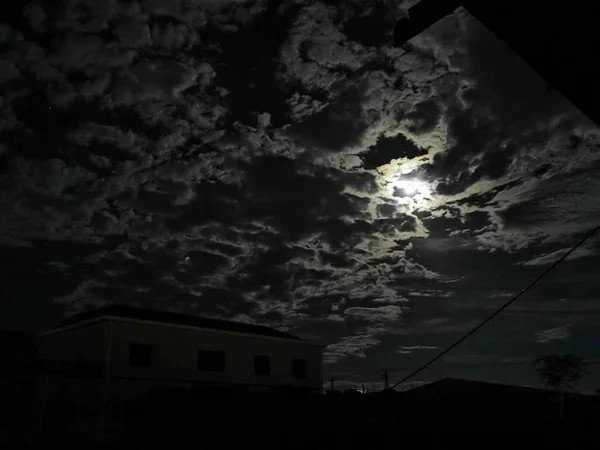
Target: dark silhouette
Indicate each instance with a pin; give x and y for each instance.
(546, 38)
(154, 315)
(561, 373)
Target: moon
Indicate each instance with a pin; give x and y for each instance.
(412, 191)
(410, 187)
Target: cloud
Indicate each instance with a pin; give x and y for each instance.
(552, 257)
(406, 350)
(387, 149)
(133, 34)
(433, 326)
(8, 71)
(79, 51)
(485, 360)
(432, 293)
(376, 314)
(553, 334)
(337, 126)
(349, 346)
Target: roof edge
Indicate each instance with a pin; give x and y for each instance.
(109, 318)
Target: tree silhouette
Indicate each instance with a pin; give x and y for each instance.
(561, 373)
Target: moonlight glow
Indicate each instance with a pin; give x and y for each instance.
(410, 187)
(411, 191)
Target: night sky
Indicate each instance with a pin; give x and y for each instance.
(281, 163)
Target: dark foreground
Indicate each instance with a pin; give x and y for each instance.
(171, 419)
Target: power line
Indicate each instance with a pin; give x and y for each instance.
(499, 310)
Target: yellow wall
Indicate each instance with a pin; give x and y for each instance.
(175, 353)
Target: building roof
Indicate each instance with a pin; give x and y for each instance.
(151, 315)
(461, 386)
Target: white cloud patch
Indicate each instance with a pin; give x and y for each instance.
(406, 350)
(431, 293)
(553, 334)
(550, 258)
(376, 314)
(350, 346)
(433, 326)
(326, 49)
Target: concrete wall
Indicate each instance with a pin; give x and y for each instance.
(175, 353)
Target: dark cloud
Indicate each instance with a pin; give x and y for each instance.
(336, 260)
(299, 203)
(33, 274)
(249, 68)
(387, 149)
(339, 125)
(472, 158)
(519, 107)
(555, 203)
(453, 223)
(486, 140)
(405, 224)
(424, 117)
(164, 276)
(486, 198)
(370, 23)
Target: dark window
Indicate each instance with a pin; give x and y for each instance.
(140, 355)
(262, 365)
(299, 368)
(211, 361)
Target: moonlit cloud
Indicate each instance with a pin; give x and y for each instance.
(552, 257)
(407, 350)
(553, 334)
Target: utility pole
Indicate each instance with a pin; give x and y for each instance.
(332, 380)
(43, 403)
(386, 379)
(104, 406)
(363, 388)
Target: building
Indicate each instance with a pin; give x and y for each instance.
(455, 401)
(95, 363)
(98, 362)
(158, 348)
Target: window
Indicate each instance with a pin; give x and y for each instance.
(299, 368)
(211, 361)
(262, 365)
(140, 355)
